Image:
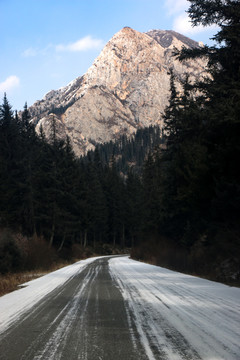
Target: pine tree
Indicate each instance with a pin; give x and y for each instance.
(134, 207)
(10, 156)
(171, 114)
(29, 150)
(223, 106)
(115, 204)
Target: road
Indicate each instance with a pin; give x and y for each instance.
(116, 308)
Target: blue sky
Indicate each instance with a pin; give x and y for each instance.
(44, 44)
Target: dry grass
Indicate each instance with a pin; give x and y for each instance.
(10, 282)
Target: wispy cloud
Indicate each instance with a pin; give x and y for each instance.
(182, 24)
(181, 21)
(32, 52)
(9, 84)
(176, 6)
(83, 44)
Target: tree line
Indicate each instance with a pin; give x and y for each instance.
(46, 191)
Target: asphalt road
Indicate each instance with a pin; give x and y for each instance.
(86, 318)
(116, 308)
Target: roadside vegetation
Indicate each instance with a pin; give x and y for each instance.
(25, 258)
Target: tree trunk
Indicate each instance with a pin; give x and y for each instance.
(114, 239)
(62, 242)
(123, 237)
(52, 234)
(85, 239)
(81, 238)
(132, 241)
(31, 202)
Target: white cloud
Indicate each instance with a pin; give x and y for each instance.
(86, 43)
(83, 44)
(181, 21)
(176, 6)
(10, 83)
(183, 25)
(30, 52)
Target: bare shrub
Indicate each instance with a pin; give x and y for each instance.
(10, 254)
(38, 255)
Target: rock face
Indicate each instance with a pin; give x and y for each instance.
(127, 87)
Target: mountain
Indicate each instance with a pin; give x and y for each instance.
(126, 88)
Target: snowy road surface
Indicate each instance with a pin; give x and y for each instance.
(116, 308)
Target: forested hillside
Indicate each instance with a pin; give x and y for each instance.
(172, 195)
(129, 153)
(47, 192)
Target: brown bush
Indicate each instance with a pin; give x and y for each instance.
(38, 255)
(11, 258)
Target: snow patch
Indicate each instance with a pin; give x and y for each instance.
(15, 304)
(180, 316)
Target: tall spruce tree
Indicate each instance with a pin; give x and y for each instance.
(29, 149)
(199, 177)
(222, 107)
(10, 161)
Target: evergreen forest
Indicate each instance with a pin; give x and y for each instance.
(171, 195)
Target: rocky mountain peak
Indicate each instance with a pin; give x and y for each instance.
(126, 87)
(171, 39)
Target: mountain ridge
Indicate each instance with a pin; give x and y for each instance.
(126, 88)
